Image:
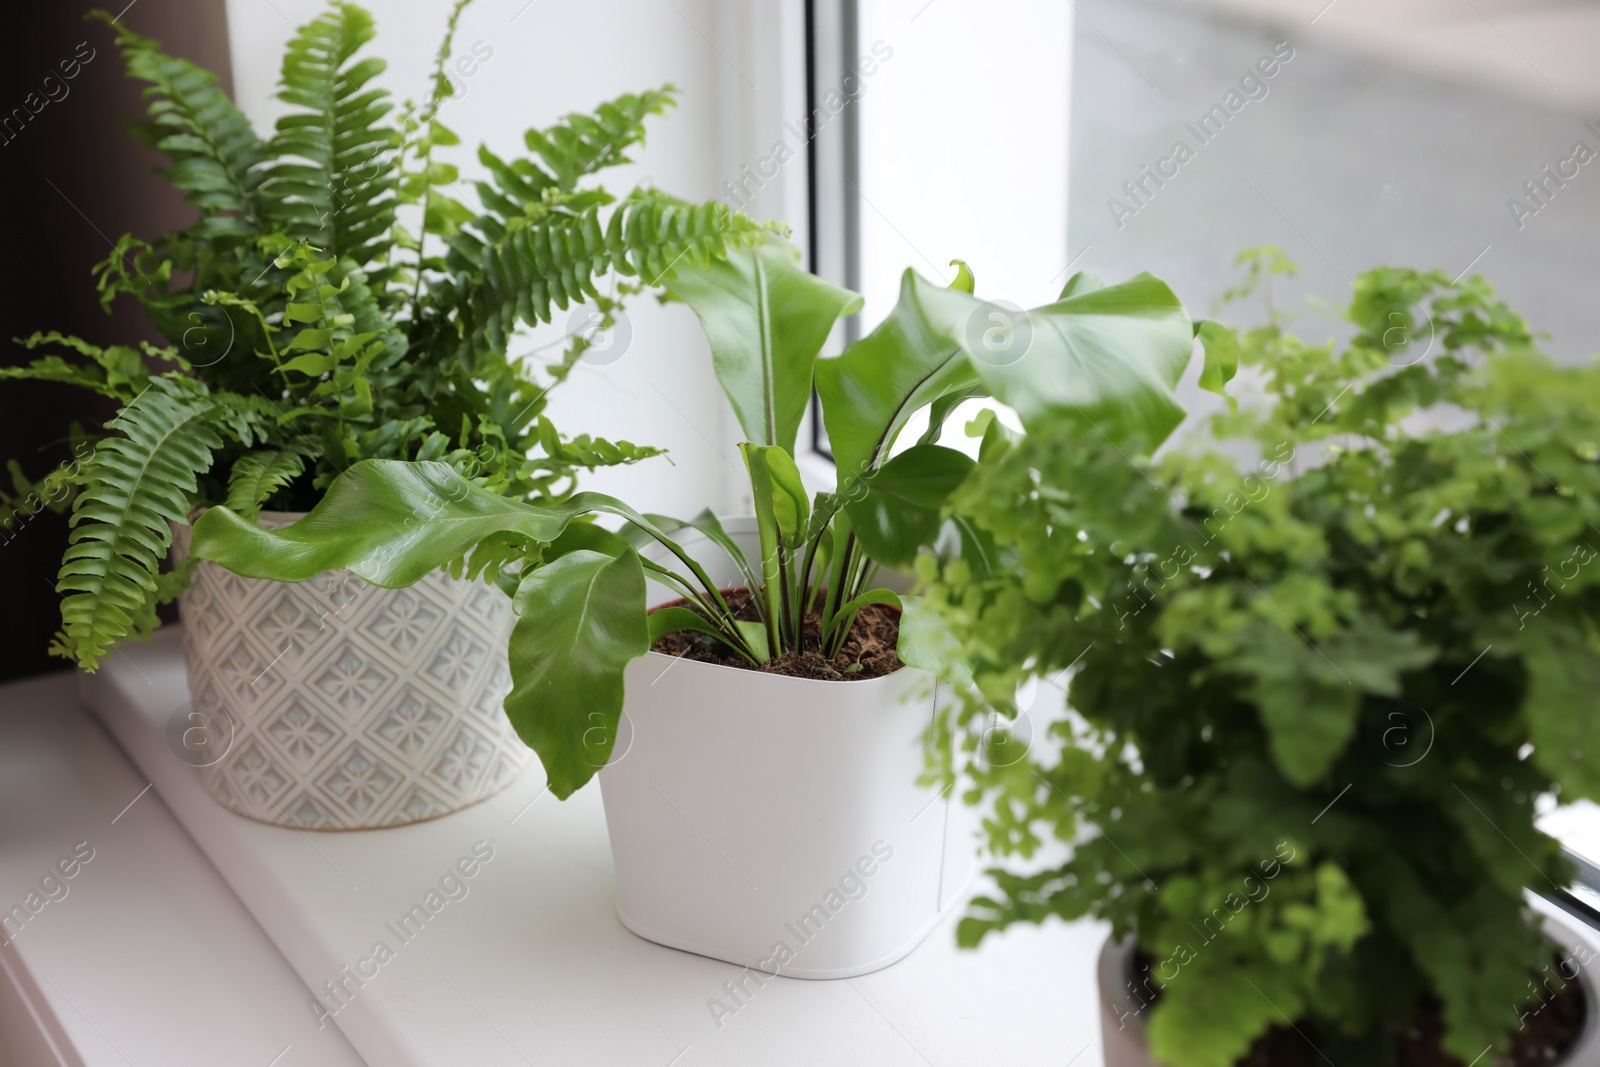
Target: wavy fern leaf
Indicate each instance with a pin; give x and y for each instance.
(574, 148)
(580, 145)
(591, 452)
(334, 182)
(216, 156)
(257, 475)
(537, 268)
(118, 371)
(140, 479)
(54, 491)
(56, 369)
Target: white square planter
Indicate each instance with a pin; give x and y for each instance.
(776, 822)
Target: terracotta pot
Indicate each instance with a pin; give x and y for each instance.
(332, 704)
(1123, 1021)
(776, 822)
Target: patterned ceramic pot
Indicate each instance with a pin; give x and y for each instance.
(337, 705)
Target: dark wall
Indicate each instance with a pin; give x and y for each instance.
(73, 182)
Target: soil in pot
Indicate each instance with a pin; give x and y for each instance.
(1542, 1041)
(868, 653)
(1549, 1030)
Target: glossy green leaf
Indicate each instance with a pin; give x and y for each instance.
(898, 510)
(670, 620)
(388, 522)
(1108, 358)
(755, 636)
(1221, 347)
(765, 495)
(790, 504)
(580, 621)
(706, 523)
(1080, 283)
(766, 318)
(963, 279)
(911, 359)
(847, 611)
(940, 410)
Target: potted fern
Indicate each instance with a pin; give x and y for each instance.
(1316, 697)
(336, 302)
(755, 698)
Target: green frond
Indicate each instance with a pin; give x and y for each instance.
(572, 149)
(535, 269)
(257, 475)
(333, 184)
(139, 480)
(118, 371)
(252, 419)
(53, 492)
(170, 585)
(216, 156)
(580, 145)
(310, 331)
(56, 369)
(590, 452)
(360, 300)
(442, 89)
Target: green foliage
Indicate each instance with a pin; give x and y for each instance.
(256, 476)
(766, 320)
(533, 269)
(580, 590)
(216, 158)
(567, 669)
(1315, 691)
(140, 480)
(308, 329)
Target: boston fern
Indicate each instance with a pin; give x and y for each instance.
(1109, 353)
(308, 328)
(1315, 700)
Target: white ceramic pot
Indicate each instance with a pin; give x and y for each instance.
(776, 822)
(1123, 1020)
(332, 704)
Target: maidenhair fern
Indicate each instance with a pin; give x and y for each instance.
(311, 325)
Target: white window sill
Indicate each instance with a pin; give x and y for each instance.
(144, 956)
(532, 966)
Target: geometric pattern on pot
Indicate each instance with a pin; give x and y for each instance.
(353, 707)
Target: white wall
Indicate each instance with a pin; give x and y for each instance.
(964, 146)
(551, 57)
(964, 154)
(964, 149)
